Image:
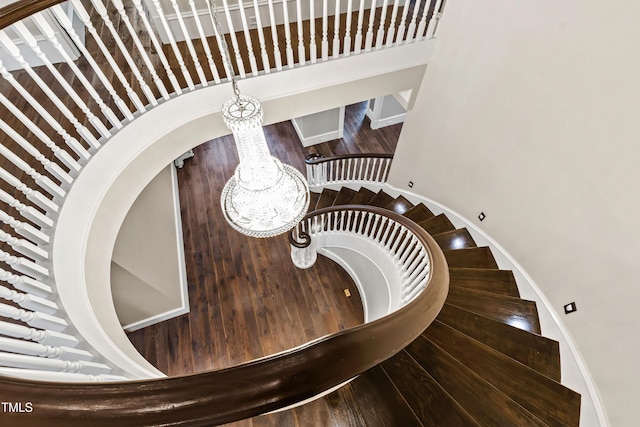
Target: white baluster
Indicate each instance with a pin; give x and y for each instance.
(247, 39)
(385, 173)
(189, 43)
(33, 362)
(28, 301)
(24, 229)
(383, 17)
(313, 53)
(64, 20)
(357, 42)
(274, 37)
(412, 25)
(30, 41)
(32, 195)
(325, 30)
(392, 24)
(50, 166)
(423, 21)
(234, 40)
(369, 37)
(401, 29)
(58, 376)
(151, 33)
(23, 265)
(263, 47)
(26, 284)
(367, 169)
(41, 350)
(347, 34)
(24, 247)
(349, 164)
(433, 22)
(13, 50)
(143, 53)
(287, 34)
(84, 17)
(102, 11)
(34, 318)
(301, 49)
(43, 181)
(28, 212)
(203, 41)
(336, 31)
(69, 140)
(45, 337)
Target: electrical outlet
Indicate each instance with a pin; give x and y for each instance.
(570, 308)
(482, 216)
(410, 184)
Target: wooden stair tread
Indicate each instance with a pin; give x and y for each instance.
(381, 199)
(437, 224)
(470, 258)
(455, 239)
(545, 398)
(313, 200)
(429, 401)
(419, 213)
(481, 400)
(327, 198)
(516, 312)
(344, 197)
(399, 205)
(485, 279)
(363, 196)
(539, 353)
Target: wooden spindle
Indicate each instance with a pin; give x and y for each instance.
(26, 284)
(34, 318)
(41, 350)
(369, 37)
(313, 52)
(247, 39)
(266, 67)
(287, 34)
(73, 377)
(274, 37)
(28, 212)
(400, 35)
(84, 17)
(102, 11)
(42, 336)
(412, 25)
(50, 34)
(203, 41)
(28, 301)
(301, 48)
(433, 22)
(34, 362)
(347, 34)
(32, 195)
(381, 24)
(336, 31)
(66, 23)
(189, 43)
(24, 229)
(325, 30)
(234, 40)
(391, 31)
(357, 42)
(24, 247)
(24, 266)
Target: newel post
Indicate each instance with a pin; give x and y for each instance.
(303, 250)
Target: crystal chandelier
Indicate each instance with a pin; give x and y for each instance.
(264, 197)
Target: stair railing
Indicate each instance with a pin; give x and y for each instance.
(348, 169)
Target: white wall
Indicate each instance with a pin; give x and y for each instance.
(530, 112)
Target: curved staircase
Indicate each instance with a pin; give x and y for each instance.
(482, 362)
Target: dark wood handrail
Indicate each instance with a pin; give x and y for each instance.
(316, 159)
(241, 391)
(21, 9)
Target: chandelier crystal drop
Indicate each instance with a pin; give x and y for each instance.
(264, 197)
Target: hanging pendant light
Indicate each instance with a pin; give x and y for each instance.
(264, 197)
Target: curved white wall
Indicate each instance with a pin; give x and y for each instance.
(529, 112)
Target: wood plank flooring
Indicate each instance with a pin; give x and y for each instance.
(247, 299)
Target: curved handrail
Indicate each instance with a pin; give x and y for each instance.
(317, 158)
(258, 386)
(21, 9)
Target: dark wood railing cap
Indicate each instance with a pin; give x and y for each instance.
(21, 9)
(314, 159)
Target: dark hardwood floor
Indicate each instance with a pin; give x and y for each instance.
(247, 299)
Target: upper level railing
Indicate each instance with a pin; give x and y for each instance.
(348, 169)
